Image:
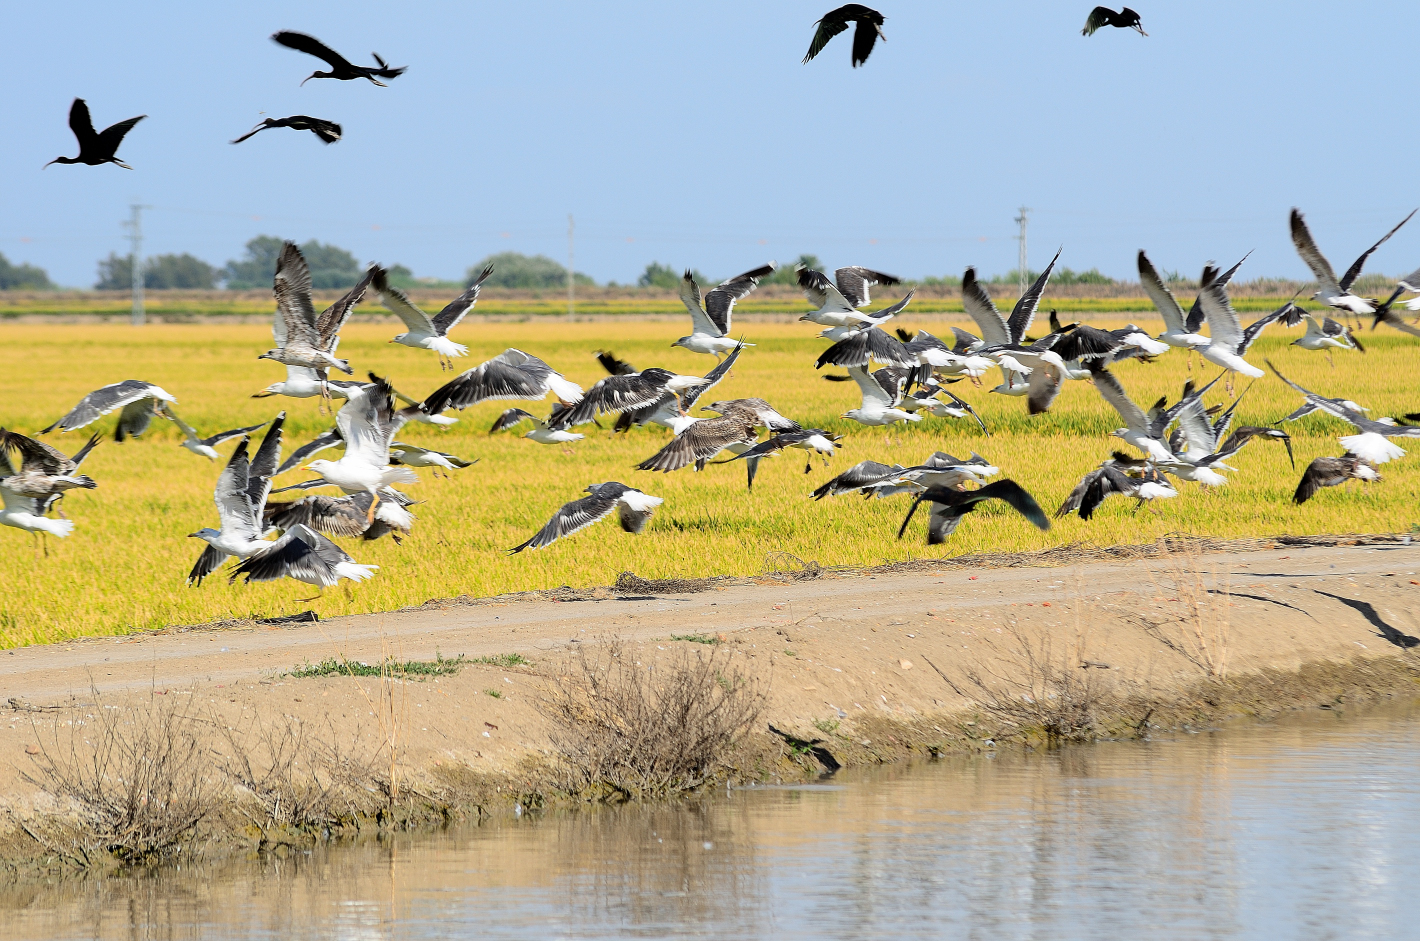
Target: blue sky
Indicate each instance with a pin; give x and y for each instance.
(690, 134)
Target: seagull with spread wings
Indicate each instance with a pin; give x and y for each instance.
(882, 397)
(710, 318)
(669, 408)
(305, 555)
(139, 401)
(950, 505)
(340, 67)
(96, 149)
(1372, 439)
(205, 447)
(421, 330)
(549, 431)
(1120, 474)
(305, 338)
(868, 31)
(629, 392)
(1327, 334)
(512, 374)
(1228, 341)
(44, 475)
(367, 425)
(1331, 291)
(1333, 472)
(635, 509)
(1145, 432)
(240, 495)
(346, 516)
(875, 479)
(838, 300)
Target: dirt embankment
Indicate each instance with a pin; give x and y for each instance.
(879, 665)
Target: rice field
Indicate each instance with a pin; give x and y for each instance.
(124, 568)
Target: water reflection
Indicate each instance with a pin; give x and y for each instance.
(1303, 829)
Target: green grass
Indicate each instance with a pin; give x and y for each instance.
(696, 638)
(124, 568)
(419, 669)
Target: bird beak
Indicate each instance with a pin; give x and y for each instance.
(192, 535)
(306, 79)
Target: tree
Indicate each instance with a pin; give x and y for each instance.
(331, 267)
(516, 270)
(658, 275)
(23, 277)
(159, 272)
(786, 273)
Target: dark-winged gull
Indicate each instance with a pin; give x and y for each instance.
(137, 398)
(240, 495)
(205, 447)
(949, 505)
(1372, 439)
(635, 508)
(868, 31)
(305, 338)
(874, 479)
(43, 477)
(1144, 432)
(1333, 472)
(366, 423)
(411, 455)
(1331, 291)
(543, 432)
(700, 439)
(667, 409)
(812, 440)
(710, 318)
(838, 300)
(346, 516)
(421, 331)
(305, 555)
(1229, 342)
(1122, 475)
(632, 391)
(882, 396)
(951, 362)
(512, 374)
(1327, 334)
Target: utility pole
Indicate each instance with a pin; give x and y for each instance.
(571, 296)
(135, 260)
(1021, 269)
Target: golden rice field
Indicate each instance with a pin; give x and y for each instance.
(124, 567)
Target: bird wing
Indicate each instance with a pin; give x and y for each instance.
(949, 506)
(1168, 306)
(635, 509)
(757, 411)
(721, 301)
(249, 134)
(614, 366)
(328, 131)
(458, 308)
(690, 297)
(415, 320)
(111, 136)
(1085, 342)
(873, 392)
(1193, 421)
(1110, 480)
(815, 285)
(508, 419)
(620, 394)
(331, 516)
(857, 477)
(296, 554)
(1024, 311)
(1255, 328)
(511, 374)
(102, 401)
(1044, 385)
(699, 442)
(208, 562)
(831, 25)
(292, 286)
(711, 379)
(1312, 256)
(234, 506)
(331, 319)
(871, 343)
(228, 435)
(266, 463)
(573, 517)
(311, 46)
(1076, 498)
(1354, 272)
(976, 300)
(82, 124)
(853, 281)
(188, 431)
(330, 439)
(964, 341)
(34, 455)
(135, 418)
(1322, 472)
(1224, 326)
(863, 39)
(1113, 393)
(1239, 439)
(1098, 19)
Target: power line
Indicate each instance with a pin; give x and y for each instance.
(1021, 268)
(135, 261)
(571, 277)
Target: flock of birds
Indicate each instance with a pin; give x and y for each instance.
(98, 148)
(902, 377)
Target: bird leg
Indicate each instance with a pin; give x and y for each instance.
(808, 464)
(374, 504)
(44, 541)
(34, 538)
(319, 593)
(1331, 362)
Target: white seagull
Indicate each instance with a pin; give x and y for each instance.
(423, 332)
(1372, 439)
(882, 394)
(636, 509)
(411, 455)
(710, 320)
(205, 447)
(240, 495)
(367, 425)
(512, 374)
(838, 300)
(543, 432)
(1331, 291)
(1327, 334)
(303, 337)
(1229, 342)
(139, 401)
(305, 555)
(1144, 432)
(1180, 329)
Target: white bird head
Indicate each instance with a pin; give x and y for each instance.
(206, 534)
(320, 466)
(683, 341)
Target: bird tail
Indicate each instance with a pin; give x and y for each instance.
(398, 475)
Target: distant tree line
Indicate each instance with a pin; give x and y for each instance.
(23, 277)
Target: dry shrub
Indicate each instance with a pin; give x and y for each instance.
(1034, 691)
(139, 776)
(1199, 629)
(633, 732)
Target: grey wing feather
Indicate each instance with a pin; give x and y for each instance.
(208, 562)
(994, 329)
(721, 301)
(633, 520)
(292, 287)
(712, 378)
(1310, 254)
(1354, 272)
(331, 319)
(102, 401)
(1174, 318)
(457, 309)
(700, 442)
(330, 439)
(1024, 311)
(854, 478)
(571, 518)
(300, 553)
(854, 282)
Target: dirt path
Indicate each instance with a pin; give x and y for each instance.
(838, 645)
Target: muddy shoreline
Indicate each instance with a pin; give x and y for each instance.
(897, 665)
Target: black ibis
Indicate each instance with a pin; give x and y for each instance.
(96, 149)
(327, 131)
(340, 67)
(868, 32)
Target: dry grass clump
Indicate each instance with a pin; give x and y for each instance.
(140, 779)
(630, 731)
(1199, 629)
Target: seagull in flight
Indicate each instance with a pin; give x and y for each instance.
(1145, 432)
(139, 401)
(1327, 334)
(635, 509)
(869, 30)
(1120, 474)
(949, 505)
(345, 516)
(1101, 17)
(240, 495)
(550, 431)
(1229, 342)
(710, 318)
(669, 408)
(512, 374)
(305, 338)
(1372, 439)
(421, 330)
(96, 149)
(205, 447)
(340, 67)
(838, 300)
(327, 131)
(367, 424)
(305, 555)
(882, 398)
(43, 477)
(1333, 472)
(875, 479)
(1331, 291)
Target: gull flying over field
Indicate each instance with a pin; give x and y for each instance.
(327, 131)
(550, 431)
(958, 360)
(304, 338)
(868, 31)
(1372, 439)
(838, 300)
(710, 319)
(1100, 17)
(412, 455)
(805, 439)
(1144, 432)
(512, 374)
(346, 516)
(949, 505)
(629, 392)
(1004, 338)
(367, 424)
(874, 479)
(668, 409)
(1198, 445)
(340, 67)
(1229, 342)
(205, 447)
(882, 396)
(1327, 334)
(138, 399)
(44, 475)
(1120, 474)
(306, 556)
(1333, 472)
(635, 511)
(96, 149)
(1331, 291)
(421, 330)
(240, 495)
(700, 439)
